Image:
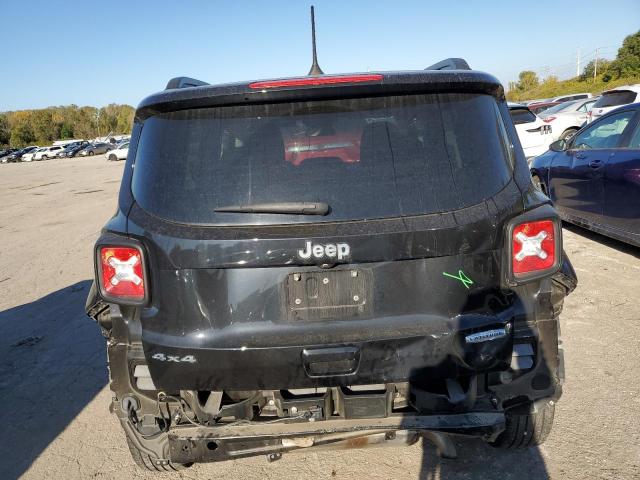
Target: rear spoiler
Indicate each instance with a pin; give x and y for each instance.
(184, 82)
(450, 64)
(447, 64)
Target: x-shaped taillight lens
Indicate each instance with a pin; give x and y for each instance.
(122, 273)
(533, 247)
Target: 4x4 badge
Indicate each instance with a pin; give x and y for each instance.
(466, 281)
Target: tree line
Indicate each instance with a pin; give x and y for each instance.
(625, 68)
(44, 126)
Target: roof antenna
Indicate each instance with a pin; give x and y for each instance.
(315, 68)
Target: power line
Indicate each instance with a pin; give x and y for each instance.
(579, 60)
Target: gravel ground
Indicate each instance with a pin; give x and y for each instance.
(53, 379)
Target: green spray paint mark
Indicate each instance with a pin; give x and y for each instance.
(466, 281)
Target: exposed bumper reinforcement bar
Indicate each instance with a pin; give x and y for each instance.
(211, 444)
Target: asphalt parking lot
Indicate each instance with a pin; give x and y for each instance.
(53, 376)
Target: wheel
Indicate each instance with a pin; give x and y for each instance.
(527, 429)
(44, 157)
(91, 153)
(112, 157)
(567, 134)
(146, 462)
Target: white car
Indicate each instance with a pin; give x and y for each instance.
(119, 153)
(534, 134)
(29, 157)
(47, 152)
(568, 117)
(614, 98)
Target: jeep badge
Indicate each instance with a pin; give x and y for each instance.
(330, 250)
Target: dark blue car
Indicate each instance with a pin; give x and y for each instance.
(594, 177)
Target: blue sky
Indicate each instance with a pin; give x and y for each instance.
(95, 53)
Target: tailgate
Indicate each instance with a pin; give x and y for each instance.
(254, 313)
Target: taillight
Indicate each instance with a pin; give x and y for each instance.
(548, 119)
(121, 274)
(534, 248)
(321, 80)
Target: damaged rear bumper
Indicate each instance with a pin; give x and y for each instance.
(212, 444)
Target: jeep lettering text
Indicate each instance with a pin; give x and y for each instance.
(331, 250)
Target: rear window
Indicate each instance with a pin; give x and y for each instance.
(612, 99)
(522, 115)
(366, 157)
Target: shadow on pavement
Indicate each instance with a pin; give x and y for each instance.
(477, 460)
(602, 239)
(52, 364)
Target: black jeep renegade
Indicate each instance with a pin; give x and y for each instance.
(300, 262)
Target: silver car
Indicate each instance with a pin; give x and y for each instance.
(568, 117)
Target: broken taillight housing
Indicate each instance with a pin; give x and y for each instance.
(121, 274)
(534, 248)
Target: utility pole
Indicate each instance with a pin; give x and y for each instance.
(595, 66)
(578, 64)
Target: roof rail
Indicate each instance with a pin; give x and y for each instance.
(450, 64)
(184, 82)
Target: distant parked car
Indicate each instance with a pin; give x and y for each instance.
(29, 157)
(17, 155)
(76, 149)
(534, 134)
(71, 148)
(539, 100)
(592, 178)
(119, 153)
(572, 96)
(4, 154)
(46, 153)
(538, 108)
(568, 117)
(614, 98)
(95, 149)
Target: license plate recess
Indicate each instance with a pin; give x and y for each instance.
(329, 295)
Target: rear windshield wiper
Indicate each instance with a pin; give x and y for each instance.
(295, 208)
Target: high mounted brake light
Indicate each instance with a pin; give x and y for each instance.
(534, 248)
(121, 274)
(311, 81)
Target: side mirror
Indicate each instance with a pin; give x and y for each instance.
(558, 146)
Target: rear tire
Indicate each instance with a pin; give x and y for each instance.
(112, 158)
(527, 429)
(146, 462)
(567, 134)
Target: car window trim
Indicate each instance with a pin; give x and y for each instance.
(624, 137)
(627, 134)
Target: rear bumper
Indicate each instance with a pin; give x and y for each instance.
(202, 444)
